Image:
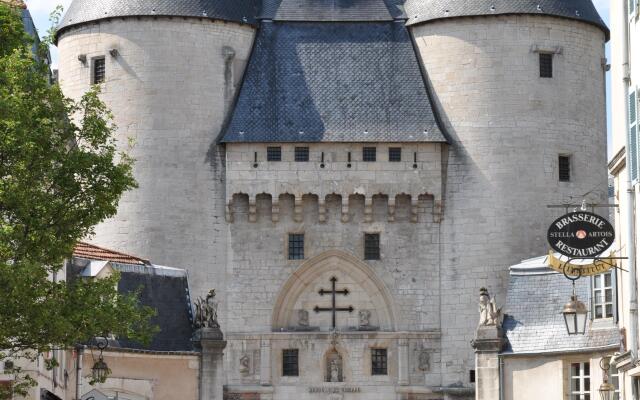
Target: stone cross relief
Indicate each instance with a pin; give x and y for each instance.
(490, 314)
(334, 308)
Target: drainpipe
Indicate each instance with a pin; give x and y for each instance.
(79, 361)
(500, 377)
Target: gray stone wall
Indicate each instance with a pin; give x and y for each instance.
(169, 89)
(508, 127)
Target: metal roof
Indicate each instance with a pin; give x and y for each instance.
(533, 322)
(429, 10)
(82, 11)
(333, 82)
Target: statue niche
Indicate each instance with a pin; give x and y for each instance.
(334, 371)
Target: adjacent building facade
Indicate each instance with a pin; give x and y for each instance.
(623, 166)
(345, 174)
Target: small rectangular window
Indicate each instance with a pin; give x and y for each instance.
(395, 154)
(546, 65)
(296, 246)
(472, 376)
(603, 296)
(99, 70)
(632, 8)
(274, 154)
(290, 362)
(302, 154)
(580, 381)
(378, 361)
(371, 246)
(369, 154)
(564, 168)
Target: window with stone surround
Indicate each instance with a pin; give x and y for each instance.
(603, 295)
(378, 361)
(546, 65)
(371, 246)
(296, 246)
(302, 154)
(368, 154)
(98, 70)
(579, 381)
(274, 153)
(395, 154)
(290, 362)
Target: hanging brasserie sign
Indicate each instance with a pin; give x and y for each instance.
(581, 234)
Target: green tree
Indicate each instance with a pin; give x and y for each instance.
(60, 175)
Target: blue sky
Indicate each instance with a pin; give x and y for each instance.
(40, 10)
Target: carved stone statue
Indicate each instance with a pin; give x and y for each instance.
(490, 314)
(364, 317)
(207, 311)
(303, 318)
(335, 371)
(423, 361)
(245, 363)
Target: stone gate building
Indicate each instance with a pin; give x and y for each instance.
(345, 173)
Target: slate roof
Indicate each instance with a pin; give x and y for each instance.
(332, 10)
(428, 10)
(164, 289)
(82, 11)
(533, 321)
(333, 82)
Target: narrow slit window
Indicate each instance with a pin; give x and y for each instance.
(99, 70)
(368, 154)
(296, 246)
(564, 168)
(378, 361)
(290, 362)
(274, 154)
(302, 154)
(546, 65)
(395, 154)
(371, 246)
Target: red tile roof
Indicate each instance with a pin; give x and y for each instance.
(93, 252)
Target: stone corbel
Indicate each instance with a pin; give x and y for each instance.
(322, 211)
(253, 217)
(391, 209)
(438, 211)
(297, 209)
(275, 210)
(414, 208)
(368, 209)
(345, 209)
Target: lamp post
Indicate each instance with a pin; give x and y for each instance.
(100, 370)
(607, 390)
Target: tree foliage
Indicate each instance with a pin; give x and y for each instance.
(60, 175)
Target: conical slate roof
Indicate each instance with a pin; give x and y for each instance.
(248, 11)
(82, 11)
(428, 10)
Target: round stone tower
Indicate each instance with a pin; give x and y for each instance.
(168, 69)
(516, 85)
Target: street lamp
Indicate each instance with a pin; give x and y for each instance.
(607, 390)
(575, 315)
(100, 370)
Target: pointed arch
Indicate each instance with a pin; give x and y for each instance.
(334, 260)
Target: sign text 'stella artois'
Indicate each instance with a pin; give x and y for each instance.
(581, 235)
